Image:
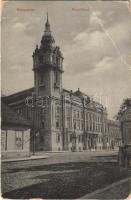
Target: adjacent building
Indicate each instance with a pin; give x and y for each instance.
(124, 117)
(62, 119)
(114, 139)
(15, 134)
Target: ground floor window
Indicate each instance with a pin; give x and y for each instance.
(19, 140)
(80, 138)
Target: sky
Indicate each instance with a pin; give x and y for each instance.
(94, 37)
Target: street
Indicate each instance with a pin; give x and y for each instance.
(63, 175)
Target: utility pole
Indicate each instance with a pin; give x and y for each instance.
(33, 120)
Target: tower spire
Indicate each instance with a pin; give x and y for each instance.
(47, 24)
(47, 16)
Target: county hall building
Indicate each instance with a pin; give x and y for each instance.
(61, 119)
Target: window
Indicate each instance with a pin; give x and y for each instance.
(98, 139)
(77, 114)
(41, 59)
(82, 126)
(36, 61)
(74, 125)
(54, 58)
(68, 122)
(74, 114)
(93, 126)
(3, 140)
(57, 117)
(43, 124)
(19, 140)
(57, 77)
(78, 124)
(57, 123)
(58, 110)
(79, 138)
(57, 138)
(82, 115)
(70, 138)
(41, 79)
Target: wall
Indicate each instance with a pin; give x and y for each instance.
(11, 151)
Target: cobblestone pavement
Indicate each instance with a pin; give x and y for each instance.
(62, 176)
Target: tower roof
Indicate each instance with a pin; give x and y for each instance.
(47, 38)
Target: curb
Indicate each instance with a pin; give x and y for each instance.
(25, 159)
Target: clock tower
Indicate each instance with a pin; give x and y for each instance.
(48, 69)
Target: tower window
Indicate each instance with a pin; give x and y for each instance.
(43, 124)
(57, 60)
(41, 79)
(41, 59)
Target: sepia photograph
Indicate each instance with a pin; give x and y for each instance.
(66, 100)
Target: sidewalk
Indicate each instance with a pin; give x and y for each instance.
(117, 190)
(32, 157)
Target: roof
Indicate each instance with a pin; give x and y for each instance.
(9, 116)
(18, 97)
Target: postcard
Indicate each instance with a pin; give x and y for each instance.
(66, 100)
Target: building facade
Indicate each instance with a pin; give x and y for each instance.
(114, 135)
(61, 119)
(124, 117)
(15, 134)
